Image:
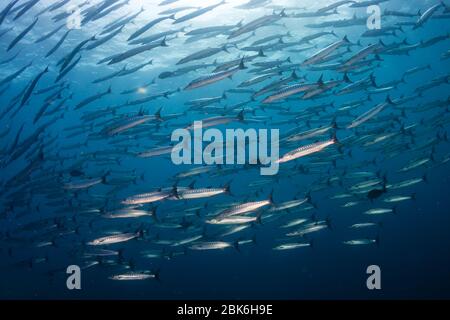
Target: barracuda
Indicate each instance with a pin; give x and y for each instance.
(307, 150)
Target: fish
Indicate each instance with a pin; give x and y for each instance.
(86, 167)
(335, 5)
(202, 54)
(378, 211)
(58, 44)
(358, 242)
(257, 23)
(113, 239)
(120, 23)
(26, 7)
(148, 26)
(202, 193)
(320, 55)
(31, 86)
(416, 163)
(131, 122)
(233, 220)
(393, 199)
(214, 29)
(84, 184)
(93, 98)
(198, 12)
(213, 78)
(14, 75)
(291, 90)
(236, 62)
(294, 223)
(176, 10)
(22, 35)
(50, 34)
(67, 69)
(363, 225)
(157, 36)
(126, 213)
(290, 246)
(309, 228)
(370, 113)
(104, 39)
(4, 13)
(307, 150)
(212, 245)
(132, 52)
(134, 276)
(245, 208)
(424, 17)
(64, 62)
(407, 183)
(148, 197)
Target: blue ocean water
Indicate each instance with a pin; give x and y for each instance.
(412, 243)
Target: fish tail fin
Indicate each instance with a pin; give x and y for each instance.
(432, 158)
(373, 80)
(236, 245)
(308, 197)
(157, 274)
(104, 177)
(377, 239)
(240, 116)
(227, 187)
(175, 191)
(334, 124)
(154, 215)
(271, 198)
(335, 139)
(425, 178)
(158, 114)
(389, 100)
(242, 65)
(261, 53)
(329, 223)
(258, 219)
